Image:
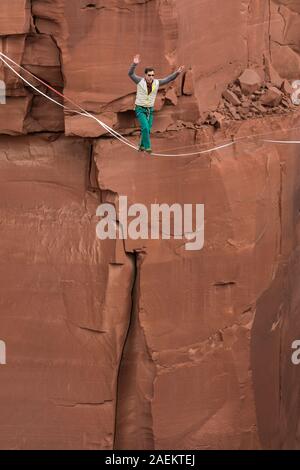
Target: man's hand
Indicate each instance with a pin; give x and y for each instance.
(181, 69)
(136, 59)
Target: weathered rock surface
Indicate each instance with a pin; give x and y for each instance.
(272, 97)
(249, 81)
(140, 344)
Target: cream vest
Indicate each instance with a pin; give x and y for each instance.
(142, 97)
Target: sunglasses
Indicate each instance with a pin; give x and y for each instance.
(150, 74)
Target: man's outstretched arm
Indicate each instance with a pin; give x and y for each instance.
(170, 78)
(131, 71)
(132, 74)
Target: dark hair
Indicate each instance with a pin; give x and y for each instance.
(149, 69)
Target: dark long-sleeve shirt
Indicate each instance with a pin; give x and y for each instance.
(162, 81)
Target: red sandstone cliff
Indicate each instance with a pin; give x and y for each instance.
(144, 344)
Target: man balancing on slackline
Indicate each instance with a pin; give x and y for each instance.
(147, 89)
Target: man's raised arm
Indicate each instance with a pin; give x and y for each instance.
(170, 78)
(131, 71)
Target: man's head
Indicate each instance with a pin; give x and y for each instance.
(149, 74)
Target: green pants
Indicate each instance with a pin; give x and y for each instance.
(145, 117)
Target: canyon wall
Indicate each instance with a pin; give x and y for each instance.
(141, 344)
